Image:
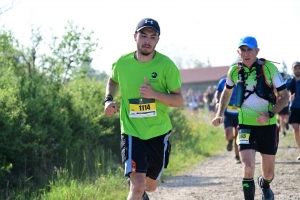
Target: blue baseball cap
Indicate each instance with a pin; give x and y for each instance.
(248, 41)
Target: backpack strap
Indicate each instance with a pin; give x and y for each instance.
(260, 70)
(242, 74)
(263, 88)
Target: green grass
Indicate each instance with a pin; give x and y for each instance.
(206, 141)
(104, 187)
(198, 141)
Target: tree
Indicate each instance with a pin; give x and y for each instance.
(41, 116)
(7, 5)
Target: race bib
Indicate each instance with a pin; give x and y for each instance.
(243, 136)
(142, 107)
(232, 109)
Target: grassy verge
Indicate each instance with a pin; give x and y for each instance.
(204, 142)
(197, 141)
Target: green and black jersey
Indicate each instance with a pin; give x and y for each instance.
(140, 117)
(248, 112)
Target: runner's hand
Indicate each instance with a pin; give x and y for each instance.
(146, 90)
(263, 118)
(110, 108)
(217, 121)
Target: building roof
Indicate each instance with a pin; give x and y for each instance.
(204, 74)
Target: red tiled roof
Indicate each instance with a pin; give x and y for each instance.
(204, 74)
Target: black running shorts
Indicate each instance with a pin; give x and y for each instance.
(145, 156)
(263, 139)
(294, 116)
(230, 120)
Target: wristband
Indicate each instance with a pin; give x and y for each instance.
(108, 98)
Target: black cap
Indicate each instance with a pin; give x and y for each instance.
(148, 22)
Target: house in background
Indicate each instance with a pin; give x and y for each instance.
(199, 79)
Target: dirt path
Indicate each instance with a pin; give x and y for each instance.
(220, 178)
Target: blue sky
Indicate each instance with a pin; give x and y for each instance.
(190, 30)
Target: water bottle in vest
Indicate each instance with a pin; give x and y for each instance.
(240, 92)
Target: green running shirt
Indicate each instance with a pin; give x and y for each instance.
(248, 112)
(144, 118)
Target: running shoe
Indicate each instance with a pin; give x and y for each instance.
(283, 134)
(267, 194)
(298, 158)
(229, 145)
(237, 159)
(145, 196)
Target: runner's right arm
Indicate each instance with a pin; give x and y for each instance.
(224, 101)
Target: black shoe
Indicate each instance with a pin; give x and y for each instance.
(287, 126)
(267, 194)
(229, 145)
(237, 159)
(298, 158)
(283, 134)
(145, 196)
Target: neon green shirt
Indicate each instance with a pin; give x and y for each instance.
(248, 112)
(140, 117)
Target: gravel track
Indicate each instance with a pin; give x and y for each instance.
(219, 178)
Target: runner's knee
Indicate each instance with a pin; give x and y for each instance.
(248, 170)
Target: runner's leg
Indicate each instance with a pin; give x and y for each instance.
(137, 185)
(151, 184)
(248, 162)
(267, 166)
(296, 132)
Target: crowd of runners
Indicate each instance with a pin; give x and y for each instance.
(245, 102)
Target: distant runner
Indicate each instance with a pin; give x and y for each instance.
(293, 85)
(230, 119)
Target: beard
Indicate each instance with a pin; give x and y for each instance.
(297, 74)
(145, 53)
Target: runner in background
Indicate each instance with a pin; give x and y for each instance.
(192, 101)
(230, 119)
(293, 86)
(258, 131)
(208, 98)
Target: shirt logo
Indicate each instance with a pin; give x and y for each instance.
(154, 75)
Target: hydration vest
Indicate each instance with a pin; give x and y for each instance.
(263, 89)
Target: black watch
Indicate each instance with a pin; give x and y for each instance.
(271, 114)
(108, 98)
